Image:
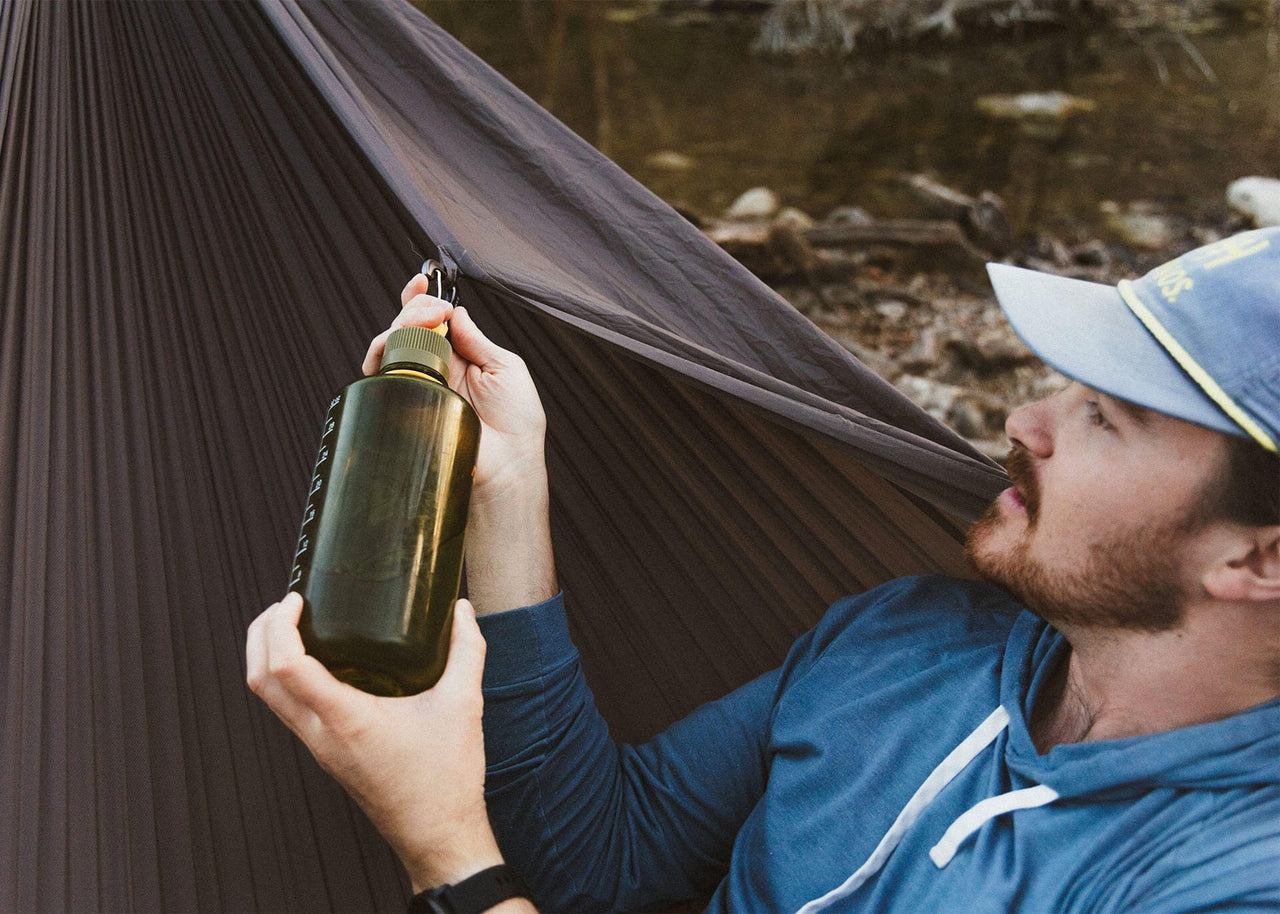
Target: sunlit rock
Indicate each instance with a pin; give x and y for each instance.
(1055, 105)
(1040, 114)
(790, 215)
(669, 160)
(757, 203)
(1256, 197)
(1138, 225)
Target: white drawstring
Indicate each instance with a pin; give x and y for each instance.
(953, 764)
(984, 812)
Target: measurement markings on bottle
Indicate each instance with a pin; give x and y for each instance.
(317, 483)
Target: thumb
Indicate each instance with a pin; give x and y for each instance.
(470, 343)
(465, 667)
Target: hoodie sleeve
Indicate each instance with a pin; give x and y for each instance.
(594, 825)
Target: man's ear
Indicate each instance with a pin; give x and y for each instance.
(1250, 571)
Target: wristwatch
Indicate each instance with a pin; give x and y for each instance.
(472, 895)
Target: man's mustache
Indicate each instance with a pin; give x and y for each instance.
(1021, 469)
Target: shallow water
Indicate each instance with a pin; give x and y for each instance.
(824, 132)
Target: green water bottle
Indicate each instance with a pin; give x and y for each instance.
(379, 556)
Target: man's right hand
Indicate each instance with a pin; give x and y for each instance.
(509, 559)
(493, 380)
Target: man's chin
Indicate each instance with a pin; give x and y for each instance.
(1129, 584)
(981, 549)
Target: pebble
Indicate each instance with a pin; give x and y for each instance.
(757, 203)
(1039, 114)
(1042, 105)
(790, 215)
(892, 310)
(669, 160)
(1138, 226)
(1257, 197)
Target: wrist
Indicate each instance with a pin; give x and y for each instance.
(517, 483)
(498, 888)
(450, 869)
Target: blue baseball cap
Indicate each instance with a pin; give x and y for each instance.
(1197, 338)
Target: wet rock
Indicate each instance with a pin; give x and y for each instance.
(1039, 114)
(757, 203)
(669, 160)
(1053, 105)
(790, 215)
(1139, 225)
(1256, 197)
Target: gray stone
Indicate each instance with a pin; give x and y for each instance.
(669, 160)
(892, 310)
(1038, 114)
(1139, 225)
(757, 203)
(1038, 105)
(790, 215)
(1256, 197)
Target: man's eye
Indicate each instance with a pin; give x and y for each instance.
(1095, 414)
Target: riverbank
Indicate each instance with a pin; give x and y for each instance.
(1143, 125)
(909, 297)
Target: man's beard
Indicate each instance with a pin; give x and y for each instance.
(1130, 580)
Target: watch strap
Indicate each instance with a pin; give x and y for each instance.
(473, 895)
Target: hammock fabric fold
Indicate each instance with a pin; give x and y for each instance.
(206, 212)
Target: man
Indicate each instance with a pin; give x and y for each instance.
(930, 745)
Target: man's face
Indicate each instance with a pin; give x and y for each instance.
(1106, 503)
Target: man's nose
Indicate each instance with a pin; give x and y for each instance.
(1029, 426)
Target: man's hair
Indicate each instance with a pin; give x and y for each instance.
(1249, 489)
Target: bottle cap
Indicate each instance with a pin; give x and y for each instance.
(418, 347)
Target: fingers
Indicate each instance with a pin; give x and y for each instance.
(419, 285)
(295, 686)
(419, 310)
(472, 345)
(467, 648)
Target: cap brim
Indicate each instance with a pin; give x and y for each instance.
(1087, 332)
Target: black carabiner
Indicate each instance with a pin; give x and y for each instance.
(439, 283)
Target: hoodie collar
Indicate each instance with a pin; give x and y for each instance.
(1239, 751)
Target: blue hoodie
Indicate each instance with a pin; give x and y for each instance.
(886, 765)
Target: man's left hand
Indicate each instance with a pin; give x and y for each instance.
(415, 765)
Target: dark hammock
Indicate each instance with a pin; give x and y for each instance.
(206, 211)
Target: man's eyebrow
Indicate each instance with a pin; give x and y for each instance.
(1140, 415)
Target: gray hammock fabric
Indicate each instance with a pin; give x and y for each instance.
(206, 211)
